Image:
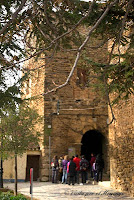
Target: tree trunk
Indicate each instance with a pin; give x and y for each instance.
(15, 174)
(1, 175)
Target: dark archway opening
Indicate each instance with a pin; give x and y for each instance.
(91, 143)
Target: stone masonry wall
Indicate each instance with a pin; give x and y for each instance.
(121, 136)
(34, 87)
(80, 109)
(69, 128)
(70, 111)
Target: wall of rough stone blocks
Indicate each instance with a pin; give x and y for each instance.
(121, 138)
(34, 87)
(69, 127)
(77, 107)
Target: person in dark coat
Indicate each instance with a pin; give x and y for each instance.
(99, 167)
(84, 164)
(72, 172)
(60, 168)
(92, 160)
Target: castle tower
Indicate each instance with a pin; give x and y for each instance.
(75, 116)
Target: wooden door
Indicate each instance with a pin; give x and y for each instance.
(32, 162)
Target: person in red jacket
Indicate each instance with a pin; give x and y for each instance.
(77, 160)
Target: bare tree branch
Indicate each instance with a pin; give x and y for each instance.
(90, 47)
(82, 46)
(110, 57)
(112, 49)
(109, 102)
(123, 25)
(14, 16)
(118, 38)
(47, 20)
(49, 60)
(56, 39)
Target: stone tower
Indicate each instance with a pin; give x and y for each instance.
(75, 116)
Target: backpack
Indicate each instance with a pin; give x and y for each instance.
(84, 165)
(54, 164)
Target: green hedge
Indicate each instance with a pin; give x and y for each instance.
(9, 196)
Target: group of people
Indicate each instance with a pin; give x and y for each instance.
(65, 170)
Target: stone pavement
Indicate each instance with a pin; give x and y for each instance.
(49, 191)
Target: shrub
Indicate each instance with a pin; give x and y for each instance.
(9, 196)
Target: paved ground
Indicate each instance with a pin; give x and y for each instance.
(49, 191)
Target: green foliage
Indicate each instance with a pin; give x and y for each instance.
(45, 21)
(119, 77)
(19, 130)
(9, 98)
(9, 196)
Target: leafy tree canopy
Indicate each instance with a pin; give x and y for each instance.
(30, 28)
(19, 131)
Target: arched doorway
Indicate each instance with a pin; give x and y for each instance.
(91, 143)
